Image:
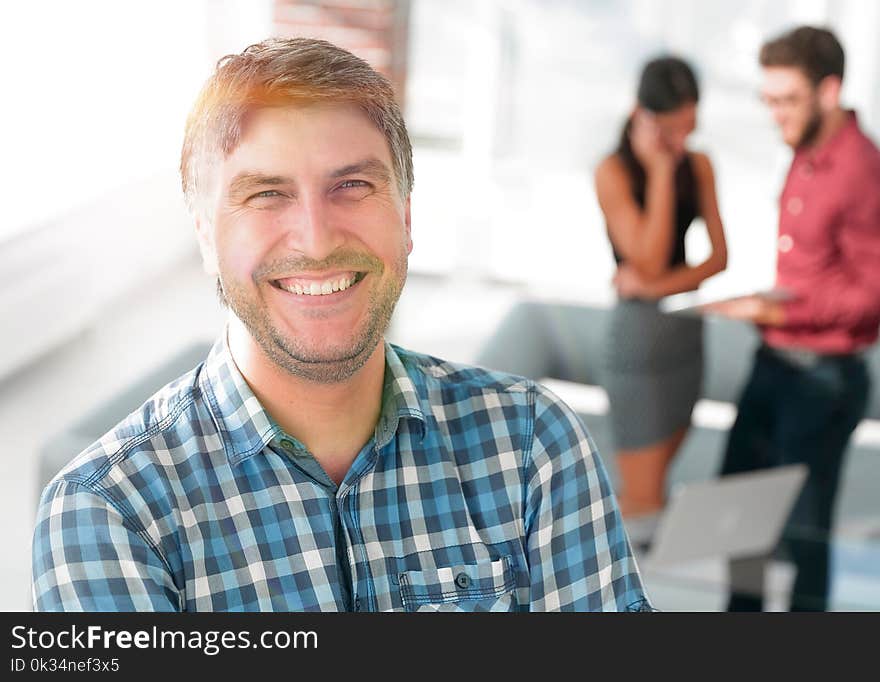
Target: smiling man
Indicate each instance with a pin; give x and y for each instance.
(809, 385)
(307, 464)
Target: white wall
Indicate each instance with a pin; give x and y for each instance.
(557, 78)
(96, 94)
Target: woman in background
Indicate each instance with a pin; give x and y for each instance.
(650, 190)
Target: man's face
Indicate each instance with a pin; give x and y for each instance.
(794, 103)
(310, 237)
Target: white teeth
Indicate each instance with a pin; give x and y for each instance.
(321, 288)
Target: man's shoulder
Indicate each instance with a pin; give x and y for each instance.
(862, 153)
(466, 398)
(166, 422)
(426, 369)
(442, 382)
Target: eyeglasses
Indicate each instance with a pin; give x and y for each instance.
(788, 101)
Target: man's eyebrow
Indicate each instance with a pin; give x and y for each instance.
(248, 179)
(370, 166)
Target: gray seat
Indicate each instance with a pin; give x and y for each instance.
(564, 341)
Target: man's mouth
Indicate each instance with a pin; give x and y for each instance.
(312, 286)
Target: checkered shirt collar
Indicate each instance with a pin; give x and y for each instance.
(246, 428)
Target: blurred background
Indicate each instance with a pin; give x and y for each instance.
(510, 105)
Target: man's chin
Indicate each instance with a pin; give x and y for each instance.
(325, 357)
(320, 363)
(794, 141)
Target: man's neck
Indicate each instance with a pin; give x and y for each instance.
(333, 420)
(832, 122)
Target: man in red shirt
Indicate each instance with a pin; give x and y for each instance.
(809, 385)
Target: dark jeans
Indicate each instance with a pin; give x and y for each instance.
(797, 410)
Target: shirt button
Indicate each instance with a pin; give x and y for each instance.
(288, 445)
(785, 243)
(795, 205)
(463, 580)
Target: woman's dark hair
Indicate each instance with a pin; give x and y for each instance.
(666, 84)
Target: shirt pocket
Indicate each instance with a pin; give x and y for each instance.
(481, 586)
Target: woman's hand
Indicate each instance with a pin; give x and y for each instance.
(648, 145)
(630, 284)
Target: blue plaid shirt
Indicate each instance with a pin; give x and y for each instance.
(478, 491)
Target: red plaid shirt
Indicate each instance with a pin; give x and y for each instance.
(829, 246)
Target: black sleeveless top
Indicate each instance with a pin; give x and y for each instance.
(686, 198)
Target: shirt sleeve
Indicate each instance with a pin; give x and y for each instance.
(86, 557)
(578, 552)
(850, 294)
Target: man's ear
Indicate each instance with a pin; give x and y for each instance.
(205, 237)
(829, 93)
(408, 223)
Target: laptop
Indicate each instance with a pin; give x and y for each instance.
(731, 517)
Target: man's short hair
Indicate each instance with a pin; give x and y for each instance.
(815, 51)
(282, 72)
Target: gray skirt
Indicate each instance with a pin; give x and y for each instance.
(652, 369)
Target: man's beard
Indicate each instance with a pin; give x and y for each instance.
(326, 363)
(811, 130)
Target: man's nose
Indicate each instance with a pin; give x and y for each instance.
(313, 231)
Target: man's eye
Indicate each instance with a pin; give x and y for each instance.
(265, 194)
(348, 184)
